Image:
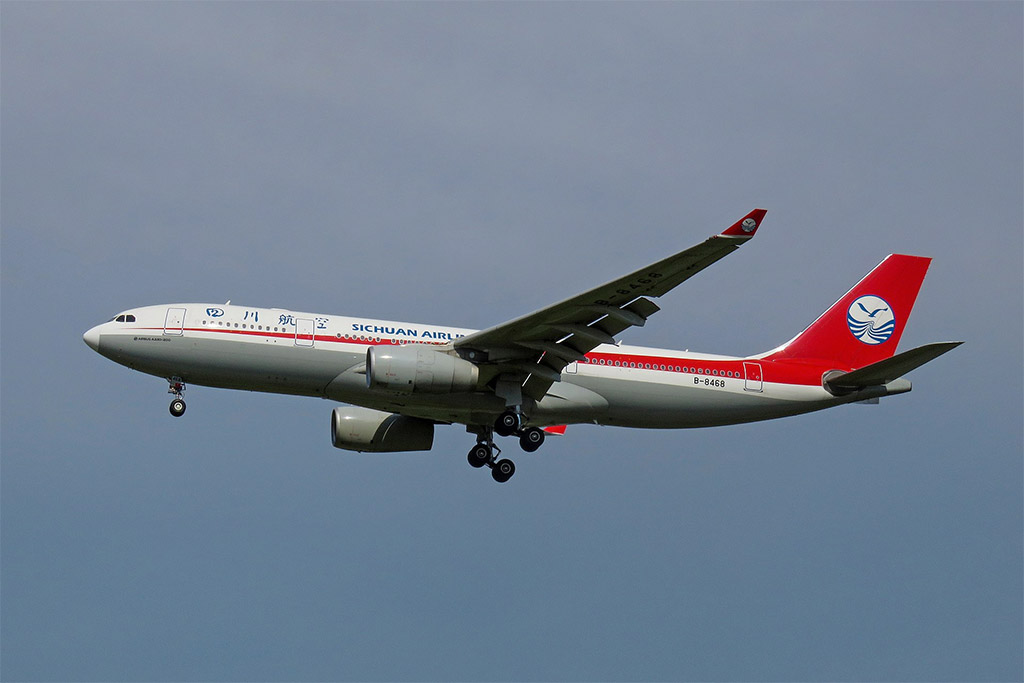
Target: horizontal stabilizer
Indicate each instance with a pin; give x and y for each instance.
(887, 370)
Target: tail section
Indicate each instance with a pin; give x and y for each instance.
(866, 324)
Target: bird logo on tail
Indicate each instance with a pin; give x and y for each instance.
(870, 319)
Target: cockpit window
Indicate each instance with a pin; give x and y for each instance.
(125, 318)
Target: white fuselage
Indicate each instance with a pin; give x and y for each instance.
(289, 352)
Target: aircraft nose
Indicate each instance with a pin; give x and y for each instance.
(92, 338)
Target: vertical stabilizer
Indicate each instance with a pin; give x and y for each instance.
(866, 324)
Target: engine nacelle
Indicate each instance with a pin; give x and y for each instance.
(418, 369)
(373, 431)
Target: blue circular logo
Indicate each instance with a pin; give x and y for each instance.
(870, 319)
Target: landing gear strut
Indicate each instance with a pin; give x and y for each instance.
(511, 423)
(176, 387)
(485, 453)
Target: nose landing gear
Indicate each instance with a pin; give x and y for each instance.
(176, 387)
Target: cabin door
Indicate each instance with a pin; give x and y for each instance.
(754, 380)
(174, 323)
(304, 332)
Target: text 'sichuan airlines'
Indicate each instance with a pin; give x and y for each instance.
(535, 374)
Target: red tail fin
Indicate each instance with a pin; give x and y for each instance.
(865, 325)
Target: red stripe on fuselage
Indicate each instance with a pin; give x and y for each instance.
(777, 372)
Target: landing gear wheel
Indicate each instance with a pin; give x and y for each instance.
(503, 471)
(479, 455)
(507, 423)
(177, 407)
(176, 387)
(531, 439)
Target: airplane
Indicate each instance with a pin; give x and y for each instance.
(536, 374)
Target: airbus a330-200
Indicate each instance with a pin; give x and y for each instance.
(533, 375)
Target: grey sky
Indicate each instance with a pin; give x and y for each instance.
(465, 164)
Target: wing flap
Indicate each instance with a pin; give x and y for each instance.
(561, 350)
(591, 335)
(643, 307)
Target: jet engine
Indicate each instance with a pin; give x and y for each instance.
(418, 369)
(373, 431)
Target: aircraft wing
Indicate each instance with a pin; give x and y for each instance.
(532, 350)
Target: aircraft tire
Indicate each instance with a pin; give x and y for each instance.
(479, 455)
(531, 439)
(507, 424)
(503, 470)
(177, 407)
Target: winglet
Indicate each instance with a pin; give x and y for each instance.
(746, 226)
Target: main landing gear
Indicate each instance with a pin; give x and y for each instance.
(485, 452)
(176, 387)
(511, 423)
